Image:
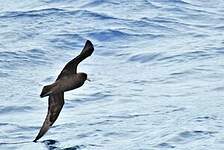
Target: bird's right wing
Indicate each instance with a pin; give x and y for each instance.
(71, 66)
(55, 104)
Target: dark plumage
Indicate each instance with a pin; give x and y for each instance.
(67, 80)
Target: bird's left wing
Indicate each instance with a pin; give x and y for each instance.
(55, 104)
(71, 66)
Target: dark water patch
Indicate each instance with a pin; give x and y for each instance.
(69, 36)
(196, 54)
(113, 134)
(219, 27)
(202, 68)
(176, 10)
(198, 12)
(95, 145)
(165, 145)
(77, 147)
(180, 75)
(67, 41)
(116, 35)
(12, 60)
(84, 135)
(96, 3)
(145, 57)
(32, 13)
(189, 136)
(66, 125)
(127, 116)
(57, 1)
(13, 143)
(18, 14)
(175, 2)
(197, 35)
(3, 124)
(161, 20)
(122, 54)
(151, 5)
(4, 75)
(205, 118)
(187, 56)
(146, 24)
(36, 54)
(104, 3)
(91, 14)
(218, 50)
(107, 53)
(26, 34)
(56, 12)
(16, 128)
(175, 26)
(175, 110)
(178, 109)
(14, 109)
(50, 144)
(49, 79)
(17, 35)
(53, 145)
(191, 14)
(172, 109)
(139, 82)
(171, 24)
(108, 35)
(87, 134)
(219, 89)
(104, 122)
(98, 96)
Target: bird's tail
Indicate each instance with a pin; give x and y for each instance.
(47, 90)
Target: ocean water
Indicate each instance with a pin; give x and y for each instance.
(157, 74)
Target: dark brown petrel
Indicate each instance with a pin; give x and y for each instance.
(67, 80)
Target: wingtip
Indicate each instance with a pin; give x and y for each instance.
(88, 41)
(37, 138)
(89, 44)
(88, 48)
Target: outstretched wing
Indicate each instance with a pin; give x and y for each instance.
(71, 66)
(55, 104)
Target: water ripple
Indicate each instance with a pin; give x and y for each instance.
(188, 136)
(188, 56)
(146, 57)
(96, 3)
(19, 58)
(14, 109)
(32, 13)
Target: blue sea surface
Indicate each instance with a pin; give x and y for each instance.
(157, 74)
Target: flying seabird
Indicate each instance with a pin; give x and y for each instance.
(67, 80)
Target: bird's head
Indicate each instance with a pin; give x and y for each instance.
(83, 76)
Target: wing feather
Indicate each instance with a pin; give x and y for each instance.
(71, 66)
(55, 104)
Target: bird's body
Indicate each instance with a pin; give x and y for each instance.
(64, 84)
(67, 80)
